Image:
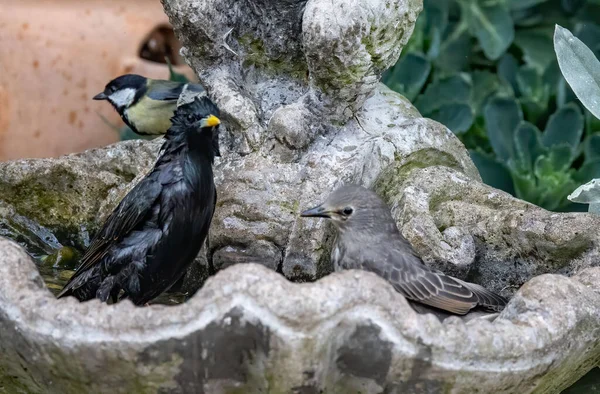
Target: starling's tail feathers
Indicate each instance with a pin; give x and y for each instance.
(485, 298)
(445, 292)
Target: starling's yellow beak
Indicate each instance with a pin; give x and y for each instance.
(210, 121)
(317, 212)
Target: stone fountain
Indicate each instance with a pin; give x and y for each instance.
(298, 85)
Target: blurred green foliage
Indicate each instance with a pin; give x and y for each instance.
(487, 70)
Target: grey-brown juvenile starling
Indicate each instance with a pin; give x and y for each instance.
(368, 239)
(156, 231)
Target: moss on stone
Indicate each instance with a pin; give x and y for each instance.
(257, 56)
(393, 176)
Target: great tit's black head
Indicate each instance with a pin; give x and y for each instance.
(199, 122)
(123, 91)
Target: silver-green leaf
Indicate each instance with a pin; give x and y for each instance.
(580, 68)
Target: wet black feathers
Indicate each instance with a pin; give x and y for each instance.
(156, 231)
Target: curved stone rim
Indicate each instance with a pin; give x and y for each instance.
(289, 307)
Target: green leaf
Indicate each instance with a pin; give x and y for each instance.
(526, 17)
(507, 70)
(455, 89)
(528, 145)
(554, 191)
(592, 123)
(589, 12)
(588, 171)
(534, 93)
(491, 23)
(564, 93)
(571, 6)
(536, 45)
(565, 126)
(484, 85)
(555, 162)
(455, 51)
(591, 148)
(492, 172)
(409, 75)
(436, 16)
(552, 77)
(457, 117)
(532, 109)
(525, 185)
(476, 137)
(587, 193)
(554, 178)
(589, 34)
(502, 116)
(523, 4)
(580, 68)
(531, 84)
(416, 43)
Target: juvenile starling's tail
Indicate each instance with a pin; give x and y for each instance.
(485, 298)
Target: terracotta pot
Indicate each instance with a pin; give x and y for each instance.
(55, 56)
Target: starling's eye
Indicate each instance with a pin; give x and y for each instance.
(347, 211)
(190, 117)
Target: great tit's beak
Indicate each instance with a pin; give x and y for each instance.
(100, 96)
(210, 121)
(316, 212)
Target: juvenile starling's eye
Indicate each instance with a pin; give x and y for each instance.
(347, 211)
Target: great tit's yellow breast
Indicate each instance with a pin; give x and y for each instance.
(151, 116)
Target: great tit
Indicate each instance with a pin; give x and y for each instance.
(146, 105)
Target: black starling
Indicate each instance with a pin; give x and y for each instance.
(156, 231)
(369, 239)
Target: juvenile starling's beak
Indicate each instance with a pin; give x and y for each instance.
(316, 212)
(210, 121)
(100, 96)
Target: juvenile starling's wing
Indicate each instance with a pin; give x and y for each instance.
(417, 282)
(129, 213)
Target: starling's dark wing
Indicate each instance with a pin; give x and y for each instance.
(136, 205)
(164, 90)
(418, 283)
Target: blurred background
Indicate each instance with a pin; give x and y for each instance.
(55, 55)
(487, 70)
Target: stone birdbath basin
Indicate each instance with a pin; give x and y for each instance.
(297, 83)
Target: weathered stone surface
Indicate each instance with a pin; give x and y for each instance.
(303, 112)
(297, 84)
(478, 233)
(64, 196)
(249, 330)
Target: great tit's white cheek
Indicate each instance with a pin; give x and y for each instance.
(123, 97)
